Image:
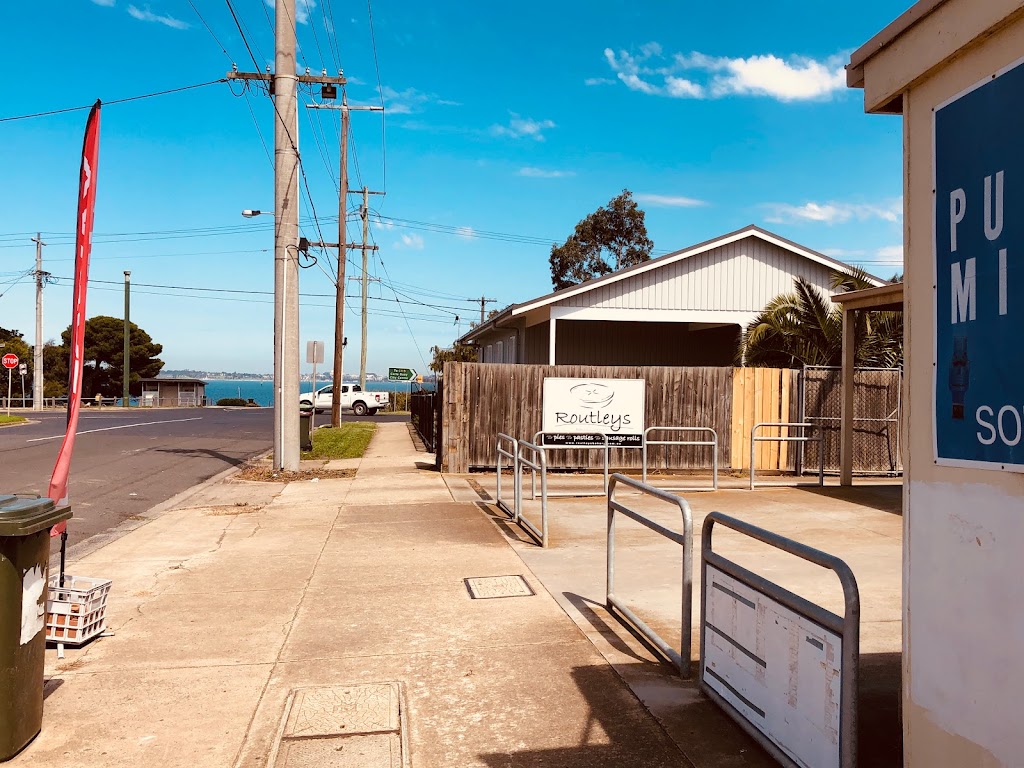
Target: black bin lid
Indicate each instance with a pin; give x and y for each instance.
(23, 517)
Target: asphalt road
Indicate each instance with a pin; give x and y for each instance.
(126, 462)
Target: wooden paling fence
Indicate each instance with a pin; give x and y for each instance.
(482, 399)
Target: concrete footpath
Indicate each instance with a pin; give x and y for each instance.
(330, 623)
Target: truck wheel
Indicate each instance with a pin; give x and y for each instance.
(359, 409)
(373, 411)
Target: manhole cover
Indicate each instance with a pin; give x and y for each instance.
(488, 587)
(342, 726)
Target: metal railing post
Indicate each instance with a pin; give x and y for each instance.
(712, 443)
(681, 658)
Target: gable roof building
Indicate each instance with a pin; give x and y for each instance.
(685, 308)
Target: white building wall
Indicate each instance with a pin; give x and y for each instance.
(738, 277)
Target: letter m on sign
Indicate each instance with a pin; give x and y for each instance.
(963, 292)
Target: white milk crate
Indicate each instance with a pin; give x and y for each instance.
(76, 612)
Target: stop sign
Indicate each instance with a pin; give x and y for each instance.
(10, 360)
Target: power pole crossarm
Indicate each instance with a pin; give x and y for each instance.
(484, 301)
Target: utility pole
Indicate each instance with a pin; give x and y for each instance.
(339, 297)
(366, 235)
(286, 226)
(37, 352)
(343, 248)
(126, 368)
(286, 237)
(483, 301)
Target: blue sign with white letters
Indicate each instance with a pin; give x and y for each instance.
(979, 275)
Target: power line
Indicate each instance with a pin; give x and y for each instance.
(113, 101)
(380, 93)
(210, 30)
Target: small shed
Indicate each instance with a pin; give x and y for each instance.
(173, 393)
(687, 308)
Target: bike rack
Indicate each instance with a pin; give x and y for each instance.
(680, 658)
(847, 627)
(538, 465)
(512, 512)
(713, 442)
(820, 440)
(538, 439)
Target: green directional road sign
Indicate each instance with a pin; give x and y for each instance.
(401, 374)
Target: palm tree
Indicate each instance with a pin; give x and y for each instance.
(805, 328)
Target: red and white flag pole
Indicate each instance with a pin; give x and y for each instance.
(83, 246)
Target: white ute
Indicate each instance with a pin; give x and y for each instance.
(352, 398)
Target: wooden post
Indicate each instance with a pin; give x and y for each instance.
(846, 424)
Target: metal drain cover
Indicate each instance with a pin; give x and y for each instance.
(342, 726)
(488, 587)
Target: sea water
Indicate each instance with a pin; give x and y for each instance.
(263, 391)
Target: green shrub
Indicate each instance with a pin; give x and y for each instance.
(231, 401)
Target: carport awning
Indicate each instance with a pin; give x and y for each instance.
(884, 298)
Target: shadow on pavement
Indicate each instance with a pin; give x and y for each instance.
(884, 498)
(199, 453)
(618, 732)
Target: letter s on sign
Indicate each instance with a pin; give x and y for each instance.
(986, 424)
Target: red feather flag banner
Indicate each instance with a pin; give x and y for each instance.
(83, 246)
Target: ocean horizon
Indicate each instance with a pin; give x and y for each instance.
(262, 391)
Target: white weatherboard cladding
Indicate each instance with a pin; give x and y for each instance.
(737, 277)
(776, 668)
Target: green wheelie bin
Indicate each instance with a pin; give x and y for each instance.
(24, 561)
(305, 427)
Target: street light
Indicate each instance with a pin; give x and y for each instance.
(251, 214)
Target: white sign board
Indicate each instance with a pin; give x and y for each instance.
(576, 408)
(777, 668)
(314, 352)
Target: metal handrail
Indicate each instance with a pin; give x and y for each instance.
(819, 439)
(713, 442)
(680, 658)
(847, 626)
(538, 440)
(514, 455)
(540, 465)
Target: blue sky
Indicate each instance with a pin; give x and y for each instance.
(506, 125)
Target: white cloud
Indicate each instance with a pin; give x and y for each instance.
(302, 9)
(541, 173)
(599, 81)
(669, 201)
(105, 3)
(891, 252)
(411, 242)
(147, 15)
(410, 100)
(699, 76)
(842, 253)
(523, 127)
(834, 212)
(467, 233)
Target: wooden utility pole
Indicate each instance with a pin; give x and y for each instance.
(484, 301)
(343, 248)
(37, 352)
(366, 236)
(339, 300)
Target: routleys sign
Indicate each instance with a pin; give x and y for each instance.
(576, 410)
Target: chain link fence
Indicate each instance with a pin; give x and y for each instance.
(876, 418)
